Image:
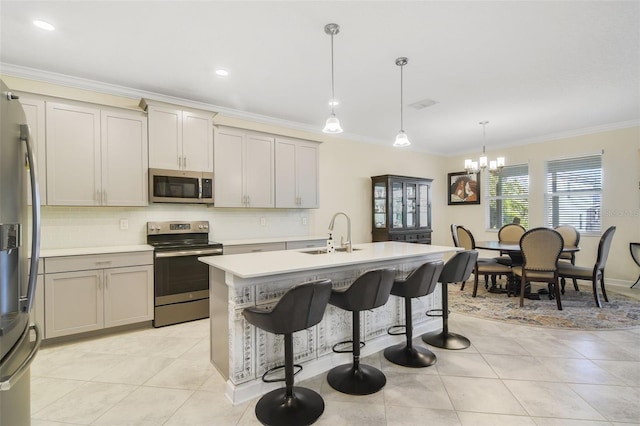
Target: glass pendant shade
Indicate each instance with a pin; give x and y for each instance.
(402, 139)
(332, 125)
(483, 161)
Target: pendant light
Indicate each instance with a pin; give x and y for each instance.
(333, 124)
(402, 139)
(475, 166)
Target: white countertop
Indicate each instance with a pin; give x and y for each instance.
(271, 240)
(79, 251)
(250, 265)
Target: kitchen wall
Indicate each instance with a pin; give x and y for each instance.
(345, 185)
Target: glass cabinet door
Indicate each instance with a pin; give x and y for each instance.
(397, 208)
(380, 205)
(411, 189)
(425, 205)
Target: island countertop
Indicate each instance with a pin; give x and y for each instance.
(250, 265)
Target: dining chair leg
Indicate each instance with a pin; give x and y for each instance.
(575, 285)
(475, 284)
(604, 292)
(522, 290)
(557, 291)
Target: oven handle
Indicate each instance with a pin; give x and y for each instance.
(183, 253)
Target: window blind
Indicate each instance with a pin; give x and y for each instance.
(508, 196)
(573, 193)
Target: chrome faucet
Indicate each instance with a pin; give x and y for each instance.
(346, 244)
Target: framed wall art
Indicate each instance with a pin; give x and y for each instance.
(464, 188)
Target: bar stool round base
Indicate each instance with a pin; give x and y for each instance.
(303, 408)
(415, 357)
(446, 340)
(363, 380)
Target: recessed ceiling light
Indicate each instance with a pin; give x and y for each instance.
(222, 73)
(44, 25)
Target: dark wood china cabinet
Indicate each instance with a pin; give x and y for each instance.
(401, 209)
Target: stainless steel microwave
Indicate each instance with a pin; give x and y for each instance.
(180, 186)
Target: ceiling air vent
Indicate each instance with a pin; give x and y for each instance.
(425, 103)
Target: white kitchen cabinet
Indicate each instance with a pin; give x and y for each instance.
(91, 292)
(124, 159)
(34, 110)
(179, 139)
(296, 173)
(244, 173)
(94, 157)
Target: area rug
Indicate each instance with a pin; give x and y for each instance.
(579, 310)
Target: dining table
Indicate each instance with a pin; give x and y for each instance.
(514, 252)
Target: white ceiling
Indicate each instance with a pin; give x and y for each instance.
(532, 69)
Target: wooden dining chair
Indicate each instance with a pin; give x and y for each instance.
(595, 274)
(571, 237)
(483, 266)
(509, 233)
(540, 249)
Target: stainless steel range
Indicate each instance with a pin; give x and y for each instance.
(181, 281)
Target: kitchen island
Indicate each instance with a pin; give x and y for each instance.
(242, 353)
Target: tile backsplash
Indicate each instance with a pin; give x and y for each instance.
(69, 227)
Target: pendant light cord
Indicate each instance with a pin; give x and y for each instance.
(333, 96)
(401, 99)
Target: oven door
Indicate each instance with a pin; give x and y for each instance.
(180, 277)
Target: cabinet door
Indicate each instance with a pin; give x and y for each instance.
(197, 142)
(397, 205)
(425, 205)
(128, 295)
(73, 302)
(296, 168)
(411, 204)
(259, 171)
(285, 164)
(228, 168)
(165, 138)
(34, 110)
(124, 159)
(307, 171)
(73, 155)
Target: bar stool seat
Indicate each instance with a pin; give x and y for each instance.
(421, 282)
(370, 290)
(301, 307)
(457, 269)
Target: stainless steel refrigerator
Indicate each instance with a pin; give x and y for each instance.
(19, 256)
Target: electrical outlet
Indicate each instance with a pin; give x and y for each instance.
(304, 220)
(124, 224)
(263, 221)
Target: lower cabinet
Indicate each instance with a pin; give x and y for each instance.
(78, 301)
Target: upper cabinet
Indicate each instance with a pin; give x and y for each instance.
(34, 109)
(95, 157)
(297, 173)
(243, 169)
(179, 139)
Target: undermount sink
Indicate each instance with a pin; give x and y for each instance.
(324, 250)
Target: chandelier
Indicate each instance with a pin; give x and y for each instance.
(475, 166)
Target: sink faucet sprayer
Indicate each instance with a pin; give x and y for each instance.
(346, 244)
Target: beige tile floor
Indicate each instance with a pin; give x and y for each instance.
(511, 375)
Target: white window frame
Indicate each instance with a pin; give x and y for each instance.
(590, 221)
(489, 198)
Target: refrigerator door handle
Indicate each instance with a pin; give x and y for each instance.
(6, 384)
(26, 303)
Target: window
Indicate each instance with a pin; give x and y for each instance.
(573, 193)
(508, 196)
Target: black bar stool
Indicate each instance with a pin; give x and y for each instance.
(421, 282)
(299, 308)
(370, 290)
(457, 269)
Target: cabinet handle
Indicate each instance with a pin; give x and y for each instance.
(184, 163)
(104, 197)
(248, 200)
(179, 161)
